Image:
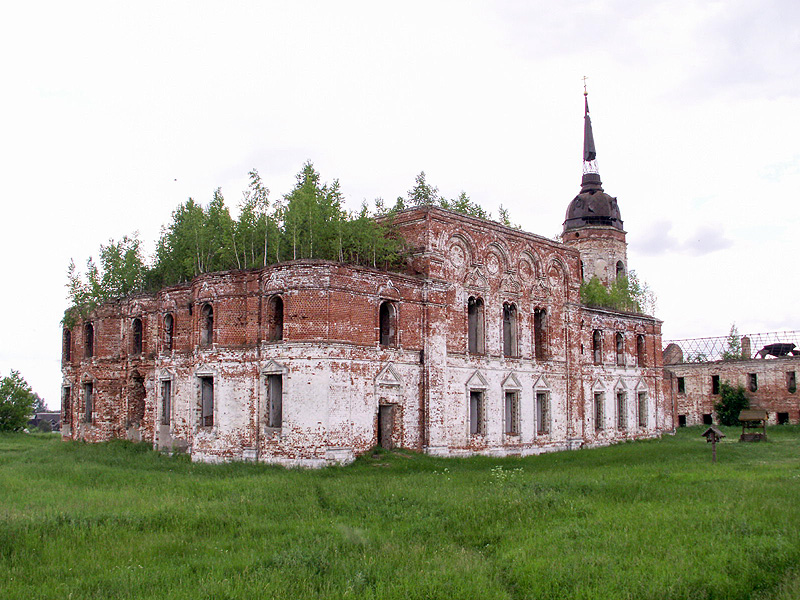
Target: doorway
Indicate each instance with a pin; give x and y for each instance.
(386, 426)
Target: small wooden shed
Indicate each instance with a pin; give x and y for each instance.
(753, 418)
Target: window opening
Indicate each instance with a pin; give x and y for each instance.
(641, 355)
(542, 412)
(620, 269)
(540, 333)
(88, 399)
(207, 325)
(715, 384)
(620, 345)
(66, 403)
(166, 401)
(708, 419)
(169, 331)
(476, 425)
(206, 401)
(137, 336)
(388, 324)
(512, 413)
(275, 401)
(475, 326)
(275, 319)
(791, 382)
(783, 418)
(599, 398)
(622, 410)
(643, 409)
(509, 330)
(752, 379)
(88, 340)
(67, 350)
(681, 385)
(597, 347)
(681, 420)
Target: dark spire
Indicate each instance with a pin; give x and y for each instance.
(589, 152)
(591, 176)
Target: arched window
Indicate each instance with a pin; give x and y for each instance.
(540, 333)
(275, 319)
(475, 342)
(597, 347)
(169, 331)
(387, 315)
(509, 330)
(137, 336)
(88, 340)
(206, 325)
(620, 346)
(67, 350)
(620, 269)
(640, 350)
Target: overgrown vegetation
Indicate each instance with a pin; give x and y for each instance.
(732, 401)
(308, 222)
(733, 349)
(638, 520)
(627, 294)
(17, 402)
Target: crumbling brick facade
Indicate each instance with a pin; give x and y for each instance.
(481, 347)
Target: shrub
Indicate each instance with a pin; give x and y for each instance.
(732, 401)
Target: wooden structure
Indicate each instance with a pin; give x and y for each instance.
(753, 419)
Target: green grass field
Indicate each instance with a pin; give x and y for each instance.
(640, 520)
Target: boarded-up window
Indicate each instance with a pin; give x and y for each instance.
(597, 347)
(206, 401)
(622, 410)
(207, 325)
(475, 341)
(387, 317)
(67, 345)
(166, 401)
(641, 354)
(599, 413)
(136, 329)
(512, 412)
(542, 412)
(136, 401)
(509, 330)
(66, 403)
(642, 409)
(476, 421)
(275, 401)
(169, 332)
(88, 401)
(275, 319)
(540, 334)
(620, 346)
(88, 340)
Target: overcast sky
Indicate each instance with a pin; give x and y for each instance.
(114, 113)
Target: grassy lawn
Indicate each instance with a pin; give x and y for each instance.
(641, 520)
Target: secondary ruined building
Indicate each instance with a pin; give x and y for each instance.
(481, 346)
(765, 365)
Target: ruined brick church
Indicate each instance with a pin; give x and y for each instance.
(481, 346)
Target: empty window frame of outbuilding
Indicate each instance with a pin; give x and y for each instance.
(752, 381)
(206, 325)
(791, 382)
(540, 333)
(136, 330)
(476, 416)
(512, 412)
(681, 385)
(387, 321)
(599, 416)
(88, 401)
(206, 401)
(509, 330)
(166, 401)
(715, 384)
(622, 410)
(275, 401)
(275, 319)
(169, 331)
(542, 413)
(475, 337)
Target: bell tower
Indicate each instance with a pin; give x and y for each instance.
(593, 224)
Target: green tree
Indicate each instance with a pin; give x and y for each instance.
(16, 402)
(626, 294)
(733, 349)
(424, 194)
(732, 401)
